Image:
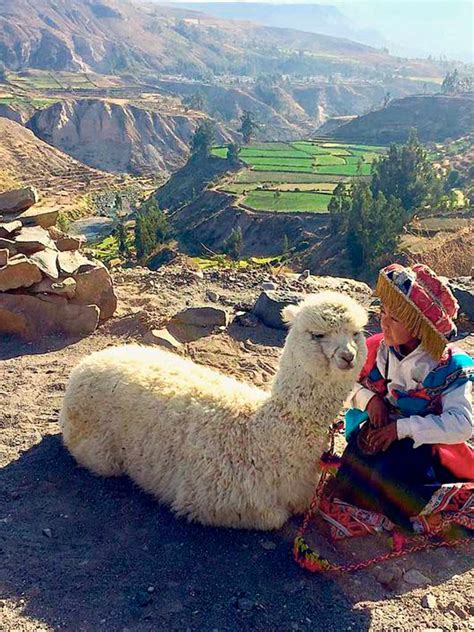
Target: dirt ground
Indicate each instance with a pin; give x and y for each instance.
(81, 553)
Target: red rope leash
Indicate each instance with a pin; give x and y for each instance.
(311, 560)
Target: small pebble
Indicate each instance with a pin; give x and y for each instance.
(429, 601)
(48, 533)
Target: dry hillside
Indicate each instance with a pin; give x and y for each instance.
(60, 179)
(118, 36)
(435, 117)
(118, 138)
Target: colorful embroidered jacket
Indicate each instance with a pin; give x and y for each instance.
(430, 400)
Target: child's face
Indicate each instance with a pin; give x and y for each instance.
(394, 332)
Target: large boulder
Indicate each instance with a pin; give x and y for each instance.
(33, 239)
(18, 272)
(201, 317)
(62, 287)
(64, 241)
(47, 262)
(38, 216)
(94, 287)
(70, 261)
(18, 200)
(32, 318)
(463, 290)
(270, 303)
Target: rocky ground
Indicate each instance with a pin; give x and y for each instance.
(82, 553)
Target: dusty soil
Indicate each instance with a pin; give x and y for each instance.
(82, 553)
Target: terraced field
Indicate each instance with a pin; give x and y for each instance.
(298, 176)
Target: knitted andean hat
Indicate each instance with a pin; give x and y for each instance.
(422, 302)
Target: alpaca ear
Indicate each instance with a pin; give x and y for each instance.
(289, 313)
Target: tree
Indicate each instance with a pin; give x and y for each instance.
(121, 233)
(406, 174)
(453, 180)
(449, 84)
(203, 138)
(151, 228)
(247, 126)
(234, 243)
(339, 207)
(233, 153)
(373, 227)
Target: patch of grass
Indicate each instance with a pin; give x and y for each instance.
(38, 104)
(220, 152)
(280, 168)
(329, 160)
(248, 176)
(266, 146)
(288, 201)
(327, 187)
(344, 170)
(310, 148)
(277, 163)
(271, 153)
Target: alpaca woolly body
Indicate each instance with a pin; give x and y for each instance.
(214, 449)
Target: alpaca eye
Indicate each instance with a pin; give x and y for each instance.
(317, 336)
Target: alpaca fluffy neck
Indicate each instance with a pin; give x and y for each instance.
(311, 401)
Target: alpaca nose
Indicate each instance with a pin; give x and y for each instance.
(347, 355)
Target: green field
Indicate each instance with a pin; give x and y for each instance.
(288, 201)
(296, 177)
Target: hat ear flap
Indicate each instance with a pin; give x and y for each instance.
(289, 313)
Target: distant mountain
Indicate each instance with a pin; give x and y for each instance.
(116, 36)
(400, 26)
(314, 18)
(435, 118)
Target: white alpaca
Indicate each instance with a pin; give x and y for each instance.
(216, 450)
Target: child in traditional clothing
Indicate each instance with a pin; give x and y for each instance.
(411, 413)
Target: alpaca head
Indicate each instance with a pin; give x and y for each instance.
(326, 337)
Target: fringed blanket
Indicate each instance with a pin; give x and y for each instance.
(452, 503)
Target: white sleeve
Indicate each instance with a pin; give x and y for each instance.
(454, 425)
(360, 397)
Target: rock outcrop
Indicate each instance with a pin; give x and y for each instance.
(117, 138)
(46, 285)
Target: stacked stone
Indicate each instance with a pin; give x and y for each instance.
(47, 286)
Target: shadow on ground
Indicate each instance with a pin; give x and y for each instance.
(14, 347)
(82, 552)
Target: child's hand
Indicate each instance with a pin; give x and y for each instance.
(378, 412)
(382, 438)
